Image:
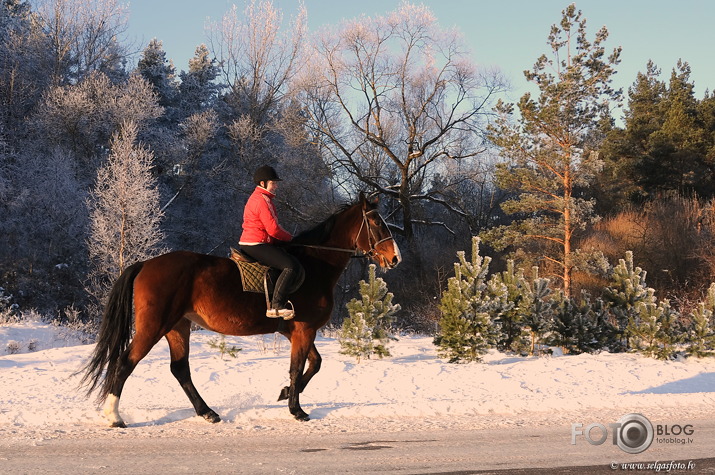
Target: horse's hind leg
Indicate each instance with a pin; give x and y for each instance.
(138, 349)
(314, 361)
(178, 339)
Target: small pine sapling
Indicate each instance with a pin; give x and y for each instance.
(536, 308)
(702, 327)
(580, 324)
(467, 328)
(513, 336)
(626, 294)
(365, 331)
(656, 330)
(223, 348)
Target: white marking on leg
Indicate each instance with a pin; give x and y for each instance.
(111, 410)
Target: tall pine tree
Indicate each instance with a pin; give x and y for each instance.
(547, 152)
(198, 89)
(666, 144)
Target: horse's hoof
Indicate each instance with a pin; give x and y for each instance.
(301, 416)
(118, 425)
(284, 394)
(212, 417)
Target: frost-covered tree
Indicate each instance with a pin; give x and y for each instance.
(84, 37)
(42, 209)
(83, 117)
(656, 330)
(581, 324)
(469, 307)
(158, 71)
(198, 88)
(513, 336)
(25, 70)
(365, 331)
(124, 210)
(258, 57)
(645, 324)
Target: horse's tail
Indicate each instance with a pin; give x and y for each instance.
(114, 335)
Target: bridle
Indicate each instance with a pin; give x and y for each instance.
(372, 240)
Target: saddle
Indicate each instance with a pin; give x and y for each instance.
(255, 277)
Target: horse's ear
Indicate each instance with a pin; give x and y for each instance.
(368, 201)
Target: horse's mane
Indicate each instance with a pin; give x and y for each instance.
(320, 233)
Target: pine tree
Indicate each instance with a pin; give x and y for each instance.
(580, 324)
(469, 308)
(365, 330)
(656, 330)
(356, 336)
(159, 72)
(547, 151)
(702, 328)
(512, 336)
(536, 308)
(198, 89)
(666, 143)
(626, 295)
(645, 325)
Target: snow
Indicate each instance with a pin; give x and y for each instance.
(412, 390)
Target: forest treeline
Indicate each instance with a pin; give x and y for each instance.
(108, 157)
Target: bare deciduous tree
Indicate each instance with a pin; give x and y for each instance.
(394, 98)
(83, 35)
(257, 58)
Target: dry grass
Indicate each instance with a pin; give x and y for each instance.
(671, 238)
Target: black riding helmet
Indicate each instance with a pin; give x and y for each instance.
(265, 173)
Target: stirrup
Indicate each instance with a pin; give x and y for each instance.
(284, 313)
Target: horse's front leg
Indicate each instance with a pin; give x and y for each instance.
(314, 361)
(301, 343)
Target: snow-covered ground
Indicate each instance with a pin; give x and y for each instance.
(413, 389)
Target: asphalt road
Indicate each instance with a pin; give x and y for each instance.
(514, 450)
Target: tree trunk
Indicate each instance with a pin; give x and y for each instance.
(568, 227)
(406, 206)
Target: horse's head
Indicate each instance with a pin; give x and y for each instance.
(374, 238)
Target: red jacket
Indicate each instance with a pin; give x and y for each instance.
(260, 222)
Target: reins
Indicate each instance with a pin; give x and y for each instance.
(355, 252)
(327, 248)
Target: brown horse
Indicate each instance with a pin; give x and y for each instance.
(169, 292)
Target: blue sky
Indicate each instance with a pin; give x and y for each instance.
(509, 34)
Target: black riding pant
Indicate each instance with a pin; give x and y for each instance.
(292, 273)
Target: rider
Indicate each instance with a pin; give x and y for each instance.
(260, 231)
